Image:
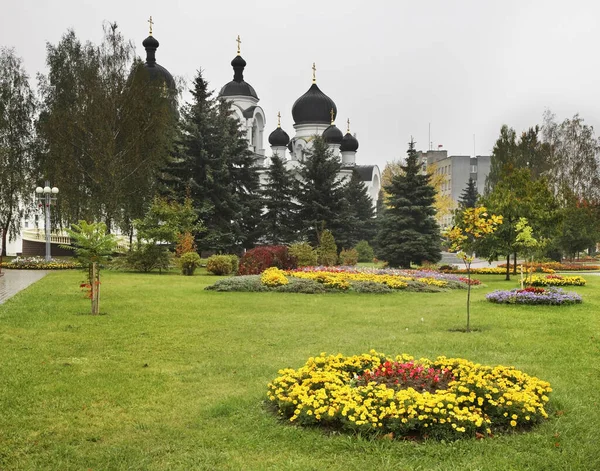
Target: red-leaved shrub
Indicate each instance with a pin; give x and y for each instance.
(257, 260)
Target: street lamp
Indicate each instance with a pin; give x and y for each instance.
(46, 196)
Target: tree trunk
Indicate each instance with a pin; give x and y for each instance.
(507, 268)
(469, 298)
(515, 263)
(5, 234)
(95, 283)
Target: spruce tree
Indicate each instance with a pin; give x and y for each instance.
(358, 221)
(468, 197)
(214, 164)
(408, 231)
(320, 193)
(278, 222)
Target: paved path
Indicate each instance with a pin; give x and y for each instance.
(13, 281)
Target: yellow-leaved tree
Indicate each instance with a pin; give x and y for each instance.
(476, 224)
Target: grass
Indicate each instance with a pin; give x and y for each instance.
(173, 377)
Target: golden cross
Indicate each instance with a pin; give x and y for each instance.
(151, 23)
(239, 41)
(348, 124)
(332, 113)
(314, 69)
(279, 119)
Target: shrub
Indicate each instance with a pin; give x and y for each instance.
(370, 287)
(189, 262)
(327, 250)
(185, 244)
(299, 285)
(220, 265)
(304, 254)
(144, 257)
(349, 257)
(365, 251)
(235, 263)
(257, 260)
(246, 283)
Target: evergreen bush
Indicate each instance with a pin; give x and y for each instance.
(220, 265)
(304, 254)
(189, 262)
(144, 257)
(365, 251)
(349, 257)
(327, 250)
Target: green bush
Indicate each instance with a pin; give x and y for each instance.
(327, 250)
(221, 264)
(246, 283)
(189, 262)
(235, 263)
(301, 285)
(304, 254)
(365, 251)
(144, 257)
(349, 257)
(370, 287)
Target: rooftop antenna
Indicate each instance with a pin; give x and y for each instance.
(430, 143)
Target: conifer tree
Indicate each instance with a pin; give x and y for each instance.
(359, 219)
(468, 197)
(408, 231)
(214, 162)
(320, 193)
(278, 223)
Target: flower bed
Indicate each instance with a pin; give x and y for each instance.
(556, 280)
(443, 398)
(39, 263)
(534, 295)
(313, 280)
(551, 267)
(474, 271)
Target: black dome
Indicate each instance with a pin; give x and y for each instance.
(238, 86)
(333, 135)
(150, 41)
(279, 138)
(156, 71)
(349, 143)
(314, 107)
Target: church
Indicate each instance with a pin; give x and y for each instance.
(314, 114)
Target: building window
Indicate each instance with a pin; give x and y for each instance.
(473, 168)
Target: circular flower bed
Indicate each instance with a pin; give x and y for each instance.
(443, 398)
(534, 295)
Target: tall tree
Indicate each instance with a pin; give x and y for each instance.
(213, 161)
(580, 228)
(279, 221)
(573, 156)
(517, 196)
(106, 128)
(17, 108)
(469, 195)
(320, 193)
(408, 231)
(360, 214)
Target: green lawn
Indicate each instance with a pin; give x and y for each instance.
(174, 377)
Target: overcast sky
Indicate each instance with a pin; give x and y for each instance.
(392, 67)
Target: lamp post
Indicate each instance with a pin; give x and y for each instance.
(45, 197)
